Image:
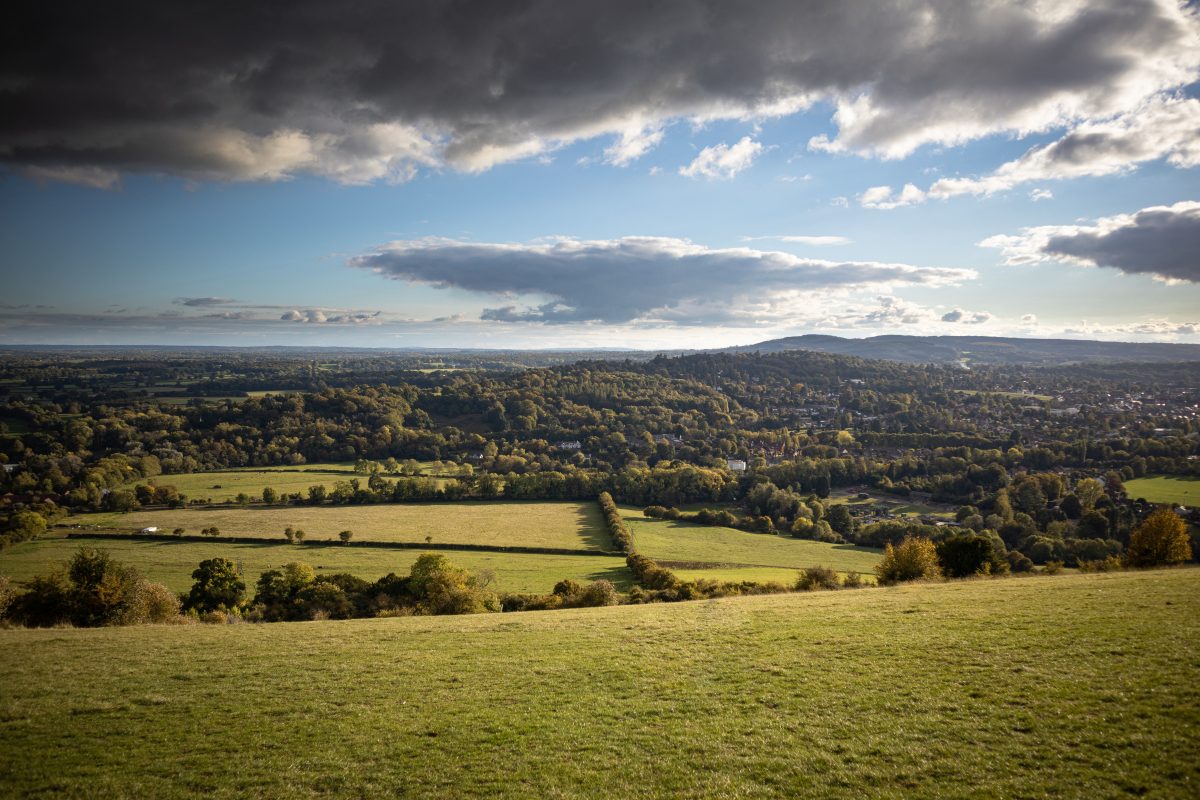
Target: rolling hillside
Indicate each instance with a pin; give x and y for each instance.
(966, 689)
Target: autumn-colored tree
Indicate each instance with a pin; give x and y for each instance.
(1161, 539)
(913, 559)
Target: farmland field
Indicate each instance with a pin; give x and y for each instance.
(570, 525)
(965, 689)
(1174, 489)
(171, 563)
(225, 485)
(735, 550)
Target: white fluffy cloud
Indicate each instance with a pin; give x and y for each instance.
(723, 161)
(882, 197)
(638, 278)
(1162, 241)
(318, 316)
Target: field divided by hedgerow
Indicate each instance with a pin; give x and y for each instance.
(172, 563)
(686, 546)
(225, 485)
(1064, 686)
(565, 525)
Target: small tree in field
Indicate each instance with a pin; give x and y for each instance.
(298, 535)
(216, 584)
(289, 533)
(1161, 539)
(269, 495)
(913, 559)
(346, 536)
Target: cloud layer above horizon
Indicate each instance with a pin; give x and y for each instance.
(637, 278)
(377, 90)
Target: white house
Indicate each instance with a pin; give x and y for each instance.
(735, 464)
(572, 445)
(151, 529)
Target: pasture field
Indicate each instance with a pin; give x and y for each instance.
(1063, 686)
(570, 525)
(1174, 489)
(171, 563)
(225, 485)
(1010, 395)
(734, 550)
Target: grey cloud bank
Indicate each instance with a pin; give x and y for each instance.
(1162, 241)
(376, 90)
(632, 278)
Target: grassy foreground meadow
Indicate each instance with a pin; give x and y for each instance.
(1072, 685)
(172, 563)
(1177, 490)
(570, 525)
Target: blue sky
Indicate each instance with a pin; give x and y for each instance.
(263, 250)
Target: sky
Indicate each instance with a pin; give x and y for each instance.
(539, 174)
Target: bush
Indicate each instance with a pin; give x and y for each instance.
(817, 578)
(150, 603)
(1052, 568)
(598, 593)
(46, 602)
(852, 581)
(345, 536)
(1019, 562)
(1107, 564)
(911, 560)
(963, 555)
(8, 593)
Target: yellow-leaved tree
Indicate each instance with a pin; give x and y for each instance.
(1161, 539)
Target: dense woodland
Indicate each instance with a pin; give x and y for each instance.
(1033, 458)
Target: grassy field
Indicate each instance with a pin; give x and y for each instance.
(224, 485)
(171, 563)
(573, 525)
(1171, 489)
(736, 551)
(1066, 686)
(1011, 395)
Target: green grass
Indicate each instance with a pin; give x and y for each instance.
(569, 525)
(1174, 489)
(1067, 686)
(669, 541)
(225, 485)
(171, 563)
(1011, 395)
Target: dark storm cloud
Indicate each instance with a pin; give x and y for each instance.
(634, 278)
(1163, 241)
(370, 90)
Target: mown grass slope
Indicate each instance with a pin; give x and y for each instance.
(571, 525)
(171, 563)
(1065, 686)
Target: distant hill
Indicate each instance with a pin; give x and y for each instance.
(969, 350)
